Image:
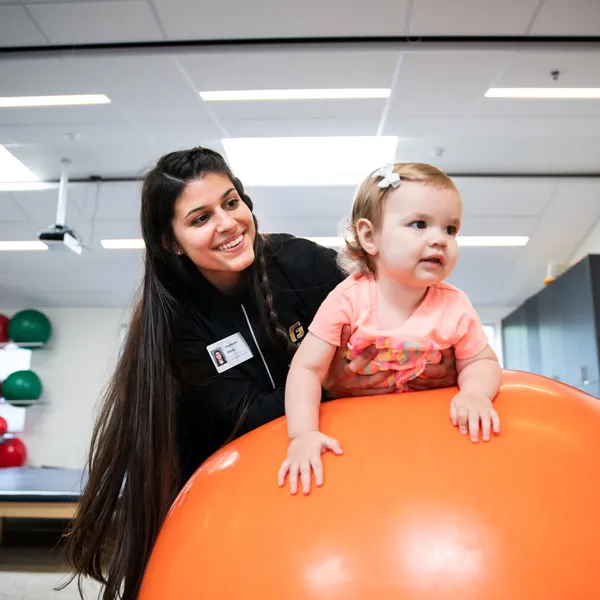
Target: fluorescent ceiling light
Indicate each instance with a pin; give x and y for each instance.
(70, 100)
(492, 240)
(123, 244)
(463, 240)
(324, 94)
(308, 161)
(18, 246)
(544, 93)
(27, 186)
(12, 169)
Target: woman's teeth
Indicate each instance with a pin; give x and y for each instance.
(232, 244)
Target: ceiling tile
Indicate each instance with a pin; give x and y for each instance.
(150, 76)
(505, 196)
(232, 19)
(471, 17)
(578, 67)
(10, 210)
(442, 85)
(287, 68)
(576, 17)
(43, 76)
(96, 22)
(290, 109)
(497, 225)
(17, 29)
(301, 127)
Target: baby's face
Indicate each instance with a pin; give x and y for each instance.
(417, 240)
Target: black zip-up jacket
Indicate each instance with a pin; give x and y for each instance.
(301, 274)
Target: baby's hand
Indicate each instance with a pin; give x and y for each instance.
(304, 453)
(468, 410)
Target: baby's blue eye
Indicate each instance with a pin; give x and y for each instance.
(419, 224)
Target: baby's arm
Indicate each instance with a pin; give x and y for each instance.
(480, 374)
(479, 380)
(302, 401)
(303, 385)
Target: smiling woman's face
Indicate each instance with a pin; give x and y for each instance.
(214, 229)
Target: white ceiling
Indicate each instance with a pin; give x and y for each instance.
(437, 101)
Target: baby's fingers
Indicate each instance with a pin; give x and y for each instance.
(283, 471)
(305, 470)
(495, 421)
(453, 414)
(317, 467)
(486, 425)
(333, 445)
(294, 473)
(462, 418)
(474, 418)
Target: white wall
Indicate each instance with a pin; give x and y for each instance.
(590, 244)
(73, 368)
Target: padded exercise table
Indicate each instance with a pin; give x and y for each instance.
(34, 492)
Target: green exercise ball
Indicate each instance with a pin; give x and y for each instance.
(22, 386)
(29, 327)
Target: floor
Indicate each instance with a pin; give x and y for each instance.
(31, 564)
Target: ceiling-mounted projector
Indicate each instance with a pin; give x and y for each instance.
(60, 236)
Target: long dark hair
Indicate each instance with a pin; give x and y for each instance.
(133, 468)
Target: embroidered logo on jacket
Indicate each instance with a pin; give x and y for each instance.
(296, 332)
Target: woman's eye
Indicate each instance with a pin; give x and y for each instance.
(200, 220)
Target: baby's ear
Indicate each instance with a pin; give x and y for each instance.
(365, 232)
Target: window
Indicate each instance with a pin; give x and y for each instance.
(493, 335)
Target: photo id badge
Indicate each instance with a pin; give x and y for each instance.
(229, 352)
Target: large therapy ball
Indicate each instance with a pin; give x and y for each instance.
(412, 510)
(4, 321)
(29, 327)
(22, 386)
(13, 453)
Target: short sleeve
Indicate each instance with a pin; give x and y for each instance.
(471, 338)
(335, 312)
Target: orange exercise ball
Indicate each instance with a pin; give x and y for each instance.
(411, 511)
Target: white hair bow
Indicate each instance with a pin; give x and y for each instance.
(388, 175)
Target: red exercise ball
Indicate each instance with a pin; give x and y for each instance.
(12, 453)
(4, 321)
(411, 511)
(3, 426)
